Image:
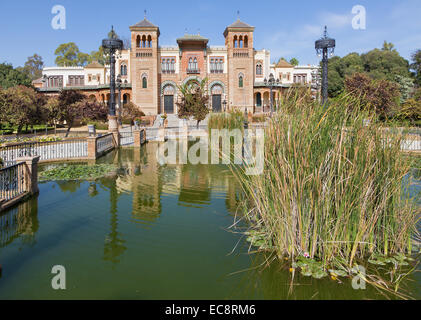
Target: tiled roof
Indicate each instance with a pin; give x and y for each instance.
(239, 24)
(192, 37)
(283, 64)
(94, 64)
(145, 23)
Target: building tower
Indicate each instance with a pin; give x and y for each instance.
(144, 66)
(239, 44)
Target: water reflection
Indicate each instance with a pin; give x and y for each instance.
(147, 216)
(20, 222)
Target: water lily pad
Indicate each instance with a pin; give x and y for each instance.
(339, 273)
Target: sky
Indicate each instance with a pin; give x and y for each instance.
(287, 28)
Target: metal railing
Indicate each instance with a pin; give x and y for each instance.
(105, 143)
(193, 71)
(48, 150)
(126, 138)
(13, 181)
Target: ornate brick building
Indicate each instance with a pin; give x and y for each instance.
(151, 73)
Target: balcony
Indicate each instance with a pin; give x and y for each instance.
(143, 52)
(216, 71)
(193, 71)
(168, 71)
(241, 53)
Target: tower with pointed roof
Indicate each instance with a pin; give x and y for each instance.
(240, 54)
(144, 65)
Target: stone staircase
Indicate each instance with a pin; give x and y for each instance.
(174, 121)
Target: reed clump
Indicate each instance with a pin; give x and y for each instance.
(233, 119)
(332, 186)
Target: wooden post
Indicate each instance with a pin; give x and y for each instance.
(32, 173)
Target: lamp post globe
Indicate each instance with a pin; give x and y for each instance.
(111, 45)
(325, 47)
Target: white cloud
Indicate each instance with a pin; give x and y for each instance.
(335, 20)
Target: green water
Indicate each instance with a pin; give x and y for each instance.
(151, 232)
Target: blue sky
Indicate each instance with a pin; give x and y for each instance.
(287, 28)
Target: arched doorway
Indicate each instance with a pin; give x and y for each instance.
(258, 99)
(216, 93)
(126, 98)
(168, 93)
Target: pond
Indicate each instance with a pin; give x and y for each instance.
(149, 232)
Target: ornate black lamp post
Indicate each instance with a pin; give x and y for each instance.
(112, 44)
(271, 83)
(325, 46)
(120, 106)
(225, 105)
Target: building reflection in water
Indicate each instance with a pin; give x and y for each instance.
(147, 183)
(20, 222)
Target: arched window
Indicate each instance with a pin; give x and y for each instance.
(123, 70)
(221, 65)
(240, 81)
(149, 41)
(144, 82)
(235, 42)
(190, 64)
(144, 41)
(172, 65)
(259, 69)
(138, 42)
(195, 64)
(241, 42)
(246, 42)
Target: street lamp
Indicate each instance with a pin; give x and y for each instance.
(120, 111)
(271, 83)
(112, 44)
(325, 46)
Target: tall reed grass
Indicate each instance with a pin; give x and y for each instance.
(332, 185)
(233, 119)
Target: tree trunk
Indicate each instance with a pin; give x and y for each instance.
(68, 129)
(197, 126)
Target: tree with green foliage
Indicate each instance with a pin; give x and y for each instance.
(379, 64)
(101, 56)
(33, 67)
(294, 62)
(10, 77)
(22, 106)
(388, 46)
(68, 55)
(416, 66)
(194, 100)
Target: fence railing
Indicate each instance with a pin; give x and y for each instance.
(105, 143)
(126, 138)
(13, 181)
(49, 150)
